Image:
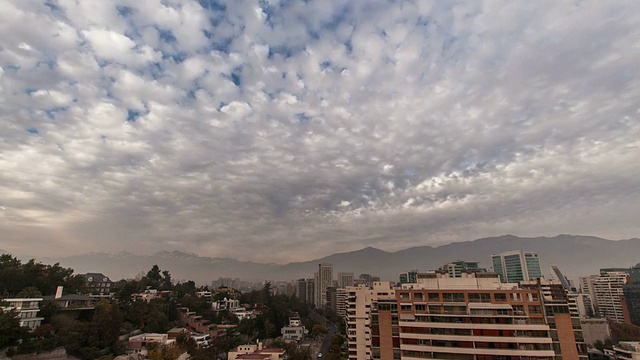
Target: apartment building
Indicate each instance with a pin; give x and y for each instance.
(26, 309)
(359, 302)
(472, 317)
(608, 294)
(560, 309)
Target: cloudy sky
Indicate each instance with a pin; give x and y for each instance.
(288, 130)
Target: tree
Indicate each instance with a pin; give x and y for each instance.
(318, 330)
(10, 330)
(30, 292)
(105, 326)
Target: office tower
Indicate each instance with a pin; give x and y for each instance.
(323, 280)
(631, 303)
(408, 277)
(345, 279)
(456, 268)
(301, 290)
(516, 266)
(310, 291)
(561, 313)
(608, 293)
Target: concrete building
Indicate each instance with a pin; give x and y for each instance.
(474, 317)
(345, 279)
(515, 266)
(594, 329)
(295, 330)
(27, 309)
(560, 311)
(341, 302)
(608, 294)
(323, 279)
(359, 303)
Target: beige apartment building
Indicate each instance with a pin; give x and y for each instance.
(474, 317)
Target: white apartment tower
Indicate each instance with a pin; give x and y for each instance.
(323, 280)
(608, 292)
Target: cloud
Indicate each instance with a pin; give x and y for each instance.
(298, 129)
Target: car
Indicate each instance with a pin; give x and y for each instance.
(319, 355)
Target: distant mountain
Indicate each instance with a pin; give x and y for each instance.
(574, 255)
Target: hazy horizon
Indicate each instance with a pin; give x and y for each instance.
(294, 130)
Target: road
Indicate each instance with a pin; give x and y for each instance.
(331, 330)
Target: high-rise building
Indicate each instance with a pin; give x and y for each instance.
(560, 311)
(408, 277)
(608, 294)
(359, 305)
(310, 293)
(631, 303)
(468, 318)
(301, 289)
(345, 279)
(323, 280)
(456, 268)
(586, 287)
(515, 266)
(341, 302)
(472, 317)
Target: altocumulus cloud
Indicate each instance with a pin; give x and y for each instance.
(283, 130)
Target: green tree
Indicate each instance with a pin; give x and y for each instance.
(30, 292)
(318, 330)
(10, 330)
(105, 326)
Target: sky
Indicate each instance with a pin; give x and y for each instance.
(277, 131)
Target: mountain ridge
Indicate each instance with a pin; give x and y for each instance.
(576, 255)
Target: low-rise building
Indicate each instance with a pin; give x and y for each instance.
(27, 309)
(594, 329)
(625, 350)
(295, 330)
(255, 352)
(139, 344)
(97, 283)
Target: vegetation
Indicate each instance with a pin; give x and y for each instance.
(624, 332)
(96, 334)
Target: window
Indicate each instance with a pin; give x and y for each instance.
(480, 297)
(434, 297)
(500, 297)
(534, 309)
(405, 308)
(453, 297)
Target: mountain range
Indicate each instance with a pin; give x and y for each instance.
(574, 255)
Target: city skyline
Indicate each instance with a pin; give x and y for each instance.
(302, 129)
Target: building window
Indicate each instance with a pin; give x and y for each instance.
(453, 297)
